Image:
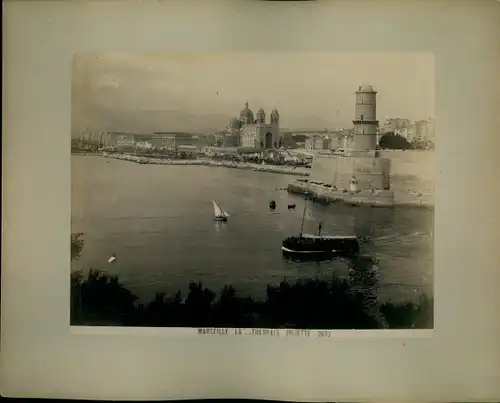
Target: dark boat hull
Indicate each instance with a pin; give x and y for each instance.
(220, 219)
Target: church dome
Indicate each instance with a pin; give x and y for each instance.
(246, 113)
(365, 88)
(234, 123)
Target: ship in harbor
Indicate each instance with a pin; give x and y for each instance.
(313, 246)
(219, 214)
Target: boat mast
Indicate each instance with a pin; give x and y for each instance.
(303, 215)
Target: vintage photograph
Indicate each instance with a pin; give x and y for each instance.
(253, 190)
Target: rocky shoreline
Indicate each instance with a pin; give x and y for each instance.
(286, 170)
(372, 198)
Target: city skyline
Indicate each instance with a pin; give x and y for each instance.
(201, 91)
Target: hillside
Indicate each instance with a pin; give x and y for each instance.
(137, 121)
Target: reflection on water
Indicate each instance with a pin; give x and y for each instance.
(219, 225)
(161, 227)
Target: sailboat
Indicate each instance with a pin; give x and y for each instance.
(219, 214)
(313, 245)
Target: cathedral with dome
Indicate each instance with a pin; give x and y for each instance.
(254, 132)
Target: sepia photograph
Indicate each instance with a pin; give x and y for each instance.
(264, 200)
(252, 190)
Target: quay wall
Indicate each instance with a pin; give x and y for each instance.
(372, 198)
(337, 170)
(278, 169)
(421, 165)
(320, 193)
(410, 171)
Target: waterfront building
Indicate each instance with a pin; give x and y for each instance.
(256, 132)
(167, 140)
(211, 151)
(317, 143)
(120, 139)
(287, 142)
(189, 150)
(229, 137)
(393, 124)
(252, 132)
(337, 141)
(174, 139)
(425, 130)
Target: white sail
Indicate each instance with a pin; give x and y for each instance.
(217, 209)
(218, 212)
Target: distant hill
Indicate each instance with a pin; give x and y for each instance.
(148, 121)
(136, 121)
(308, 123)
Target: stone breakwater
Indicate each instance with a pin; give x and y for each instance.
(373, 198)
(207, 162)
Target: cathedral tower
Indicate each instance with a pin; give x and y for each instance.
(261, 116)
(275, 117)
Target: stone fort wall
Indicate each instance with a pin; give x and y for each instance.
(337, 170)
(417, 169)
(421, 165)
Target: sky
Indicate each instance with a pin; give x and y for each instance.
(167, 91)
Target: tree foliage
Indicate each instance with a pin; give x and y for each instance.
(391, 141)
(313, 303)
(76, 245)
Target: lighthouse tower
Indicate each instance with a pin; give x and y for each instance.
(360, 169)
(365, 122)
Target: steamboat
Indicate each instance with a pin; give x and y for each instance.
(307, 245)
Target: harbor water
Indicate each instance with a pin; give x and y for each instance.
(158, 221)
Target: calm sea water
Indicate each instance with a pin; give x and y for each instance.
(158, 221)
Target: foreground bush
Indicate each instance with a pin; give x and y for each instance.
(99, 299)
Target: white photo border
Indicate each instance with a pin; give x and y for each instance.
(43, 357)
